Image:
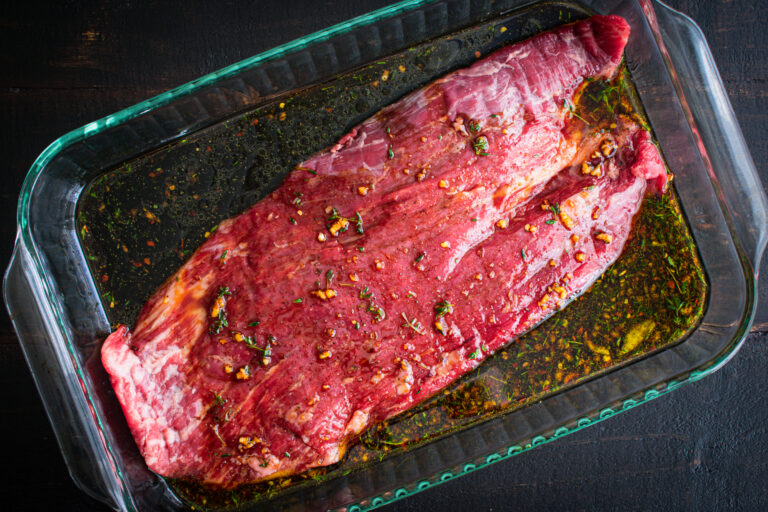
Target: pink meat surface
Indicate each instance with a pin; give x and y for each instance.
(385, 267)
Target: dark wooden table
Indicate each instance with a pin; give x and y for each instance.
(701, 448)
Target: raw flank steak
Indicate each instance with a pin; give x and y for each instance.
(387, 266)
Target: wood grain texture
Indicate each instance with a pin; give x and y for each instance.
(65, 64)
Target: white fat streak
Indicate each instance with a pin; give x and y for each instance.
(255, 463)
(404, 378)
(151, 424)
(356, 423)
(297, 383)
(520, 52)
(159, 435)
(486, 68)
(150, 376)
(362, 144)
(449, 361)
(196, 410)
(416, 101)
(332, 455)
(278, 244)
(157, 359)
(297, 417)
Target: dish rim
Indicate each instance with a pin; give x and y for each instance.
(26, 240)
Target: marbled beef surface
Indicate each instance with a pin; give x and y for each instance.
(387, 266)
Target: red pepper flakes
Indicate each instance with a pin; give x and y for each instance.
(254, 122)
(150, 243)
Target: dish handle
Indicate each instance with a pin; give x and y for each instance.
(715, 128)
(82, 447)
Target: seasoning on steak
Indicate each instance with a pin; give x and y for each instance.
(387, 266)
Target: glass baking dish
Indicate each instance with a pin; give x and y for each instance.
(61, 320)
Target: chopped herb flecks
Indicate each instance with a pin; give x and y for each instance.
(481, 145)
(250, 343)
(219, 399)
(220, 322)
(378, 313)
(572, 111)
(413, 324)
(443, 308)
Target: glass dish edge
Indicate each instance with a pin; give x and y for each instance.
(24, 237)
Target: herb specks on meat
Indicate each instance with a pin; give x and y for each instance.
(443, 308)
(413, 324)
(218, 311)
(481, 146)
